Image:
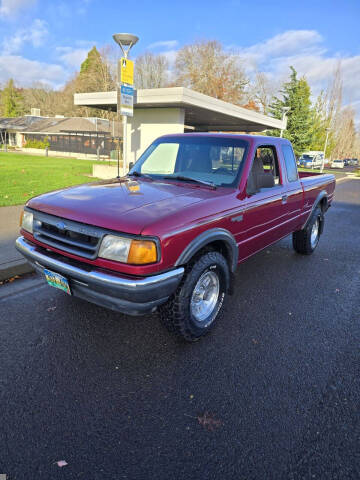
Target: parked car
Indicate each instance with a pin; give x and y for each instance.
(312, 159)
(170, 234)
(337, 164)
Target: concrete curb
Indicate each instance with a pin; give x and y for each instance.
(347, 179)
(15, 267)
(21, 286)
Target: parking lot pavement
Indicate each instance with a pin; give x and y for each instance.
(272, 393)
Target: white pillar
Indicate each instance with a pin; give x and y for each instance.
(147, 124)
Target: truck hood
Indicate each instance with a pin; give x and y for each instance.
(123, 205)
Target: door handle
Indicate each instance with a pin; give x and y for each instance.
(284, 199)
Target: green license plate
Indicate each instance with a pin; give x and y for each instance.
(58, 281)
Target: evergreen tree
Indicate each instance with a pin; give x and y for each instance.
(295, 95)
(91, 62)
(12, 100)
(95, 75)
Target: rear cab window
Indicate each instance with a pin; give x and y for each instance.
(290, 163)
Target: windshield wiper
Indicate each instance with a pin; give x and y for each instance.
(189, 179)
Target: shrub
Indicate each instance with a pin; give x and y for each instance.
(37, 143)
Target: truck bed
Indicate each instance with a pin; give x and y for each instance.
(313, 184)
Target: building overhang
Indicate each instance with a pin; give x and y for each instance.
(201, 111)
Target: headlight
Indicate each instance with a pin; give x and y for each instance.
(26, 221)
(128, 250)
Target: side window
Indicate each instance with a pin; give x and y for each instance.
(290, 163)
(264, 172)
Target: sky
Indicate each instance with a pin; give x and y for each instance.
(46, 41)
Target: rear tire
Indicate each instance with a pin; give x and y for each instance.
(193, 309)
(306, 240)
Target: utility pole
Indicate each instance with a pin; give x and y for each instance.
(327, 130)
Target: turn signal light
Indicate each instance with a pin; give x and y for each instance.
(142, 252)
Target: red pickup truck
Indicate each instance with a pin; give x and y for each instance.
(170, 234)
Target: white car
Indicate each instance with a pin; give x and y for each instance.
(337, 164)
(312, 159)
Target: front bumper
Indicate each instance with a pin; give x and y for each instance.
(133, 296)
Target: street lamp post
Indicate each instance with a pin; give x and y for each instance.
(125, 42)
(327, 130)
(285, 111)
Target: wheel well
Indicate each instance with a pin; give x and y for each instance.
(323, 204)
(216, 246)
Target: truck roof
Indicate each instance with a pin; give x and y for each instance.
(250, 138)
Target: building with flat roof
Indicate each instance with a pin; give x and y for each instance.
(161, 111)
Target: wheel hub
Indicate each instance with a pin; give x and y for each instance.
(205, 296)
(314, 233)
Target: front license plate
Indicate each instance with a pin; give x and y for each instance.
(56, 280)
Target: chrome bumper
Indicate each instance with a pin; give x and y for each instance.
(111, 290)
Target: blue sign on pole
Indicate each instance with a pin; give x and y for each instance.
(126, 100)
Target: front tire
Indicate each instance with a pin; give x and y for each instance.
(306, 240)
(193, 309)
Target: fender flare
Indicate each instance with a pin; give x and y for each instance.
(321, 195)
(209, 236)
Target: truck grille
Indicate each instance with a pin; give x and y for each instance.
(73, 237)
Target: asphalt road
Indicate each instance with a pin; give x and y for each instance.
(272, 393)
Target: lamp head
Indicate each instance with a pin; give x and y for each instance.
(125, 39)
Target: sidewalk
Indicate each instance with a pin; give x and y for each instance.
(11, 261)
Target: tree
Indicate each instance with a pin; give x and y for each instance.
(95, 72)
(207, 68)
(12, 100)
(251, 105)
(151, 71)
(262, 91)
(43, 97)
(296, 96)
(96, 75)
(326, 114)
(345, 134)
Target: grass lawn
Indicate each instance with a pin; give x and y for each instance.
(25, 176)
(316, 170)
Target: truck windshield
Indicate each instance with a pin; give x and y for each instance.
(212, 160)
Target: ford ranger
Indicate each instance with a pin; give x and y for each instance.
(170, 234)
